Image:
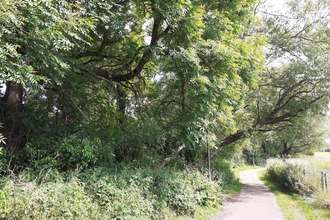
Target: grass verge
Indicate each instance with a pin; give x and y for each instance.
(202, 213)
(293, 206)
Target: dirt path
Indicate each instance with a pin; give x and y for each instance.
(254, 202)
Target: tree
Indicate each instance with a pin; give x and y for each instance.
(35, 40)
(127, 59)
(158, 78)
(295, 82)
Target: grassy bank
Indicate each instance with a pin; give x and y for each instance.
(297, 187)
(294, 206)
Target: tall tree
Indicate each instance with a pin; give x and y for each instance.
(295, 82)
(188, 58)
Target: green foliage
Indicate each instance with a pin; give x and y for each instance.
(102, 193)
(69, 153)
(182, 192)
(293, 205)
(48, 201)
(223, 171)
(290, 176)
(302, 176)
(108, 55)
(108, 83)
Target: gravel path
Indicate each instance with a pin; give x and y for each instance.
(254, 202)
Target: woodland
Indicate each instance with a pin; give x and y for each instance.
(160, 84)
(156, 82)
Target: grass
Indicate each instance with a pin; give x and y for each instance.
(293, 206)
(322, 154)
(202, 213)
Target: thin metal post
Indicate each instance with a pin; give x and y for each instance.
(208, 156)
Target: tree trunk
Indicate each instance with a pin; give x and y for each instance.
(121, 104)
(13, 127)
(287, 149)
(263, 146)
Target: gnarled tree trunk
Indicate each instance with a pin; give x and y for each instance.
(13, 127)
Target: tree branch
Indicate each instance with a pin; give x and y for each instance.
(173, 155)
(131, 74)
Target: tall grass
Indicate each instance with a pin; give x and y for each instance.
(302, 176)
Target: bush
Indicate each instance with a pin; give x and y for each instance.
(291, 176)
(118, 197)
(67, 154)
(48, 201)
(189, 189)
(222, 172)
(182, 192)
(301, 176)
(101, 193)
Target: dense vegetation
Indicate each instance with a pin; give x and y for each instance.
(152, 84)
(103, 194)
(302, 179)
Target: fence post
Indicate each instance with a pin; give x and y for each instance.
(325, 182)
(322, 181)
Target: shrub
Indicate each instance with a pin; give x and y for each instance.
(182, 192)
(222, 172)
(67, 154)
(302, 176)
(127, 203)
(118, 197)
(47, 201)
(186, 190)
(289, 175)
(101, 193)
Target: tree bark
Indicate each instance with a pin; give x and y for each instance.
(174, 154)
(121, 103)
(13, 127)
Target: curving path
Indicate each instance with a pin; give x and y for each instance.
(254, 202)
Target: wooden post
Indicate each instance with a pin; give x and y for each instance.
(322, 181)
(325, 182)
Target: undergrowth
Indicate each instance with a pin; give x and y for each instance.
(302, 177)
(293, 206)
(100, 193)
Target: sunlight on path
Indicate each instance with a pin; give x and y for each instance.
(254, 202)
